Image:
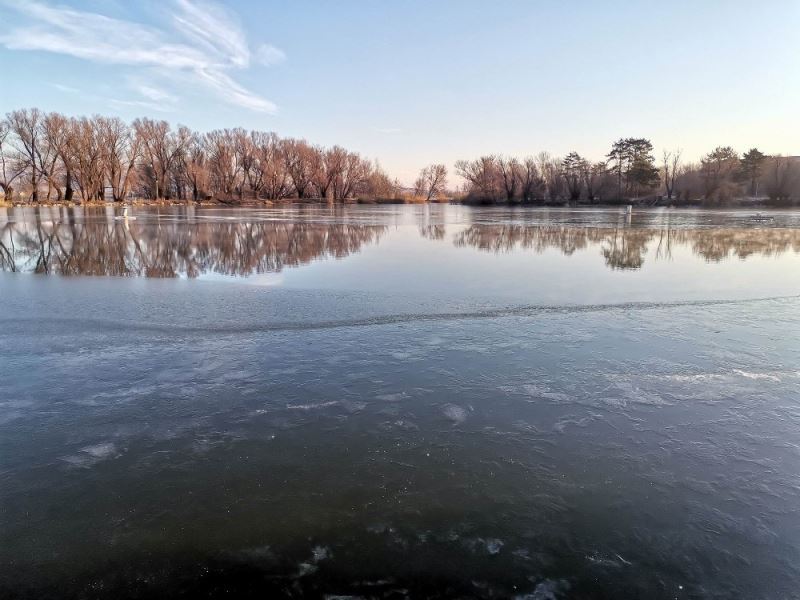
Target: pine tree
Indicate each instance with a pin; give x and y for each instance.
(572, 167)
(750, 167)
(633, 163)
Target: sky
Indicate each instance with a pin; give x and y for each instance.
(411, 82)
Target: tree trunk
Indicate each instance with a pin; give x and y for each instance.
(68, 191)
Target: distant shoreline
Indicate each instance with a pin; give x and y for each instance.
(760, 203)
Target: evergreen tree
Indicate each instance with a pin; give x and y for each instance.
(573, 167)
(750, 167)
(633, 164)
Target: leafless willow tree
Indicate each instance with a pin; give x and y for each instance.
(88, 153)
(26, 125)
(431, 182)
(302, 164)
(58, 133)
(225, 166)
(482, 175)
(161, 149)
(11, 164)
(510, 171)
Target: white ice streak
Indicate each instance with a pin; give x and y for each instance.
(90, 455)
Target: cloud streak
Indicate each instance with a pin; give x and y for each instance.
(213, 45)
(269, 55)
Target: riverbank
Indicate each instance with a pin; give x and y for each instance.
(637, 203)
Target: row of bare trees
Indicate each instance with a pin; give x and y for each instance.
(630, 171)
(47, 156)
(723, 175)
(539, 178)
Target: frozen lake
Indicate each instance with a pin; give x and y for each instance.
(399, 401)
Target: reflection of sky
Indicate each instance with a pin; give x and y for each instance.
(263, 279)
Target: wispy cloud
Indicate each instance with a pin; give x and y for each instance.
(269, 55)
(213, 45)
(388, 130)
(155, 106)
(155, 94)
(65, 88)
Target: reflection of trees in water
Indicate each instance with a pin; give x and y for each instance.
(167, 249)
(63, 242)
(432, 232)
(626, 248)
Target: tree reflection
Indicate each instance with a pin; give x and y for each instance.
(626, 247)
(59, 243)
(71, 241)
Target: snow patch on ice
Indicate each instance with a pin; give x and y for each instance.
(455, 413)
(91, 455)
(395, 397)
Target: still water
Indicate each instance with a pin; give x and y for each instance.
(391, 402)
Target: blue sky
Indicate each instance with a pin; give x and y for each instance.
(411, 82)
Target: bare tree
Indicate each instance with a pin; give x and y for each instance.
(47, 162)
(550, 169)
(26, 126)
(379, 184)
(11, 164)
(531, 181)
(671, 168)
(58, 130)
(88, 152)
(273, 177)
(119, 149)
(431, 182)
(195, 166)
(594, 178)
(782, 178)
(510, 173)
(161, 148)
(301, 163)
(482, 175)
(352, 176)
(329, 168)
(224, 164)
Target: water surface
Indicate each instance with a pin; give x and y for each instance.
(399, 402)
